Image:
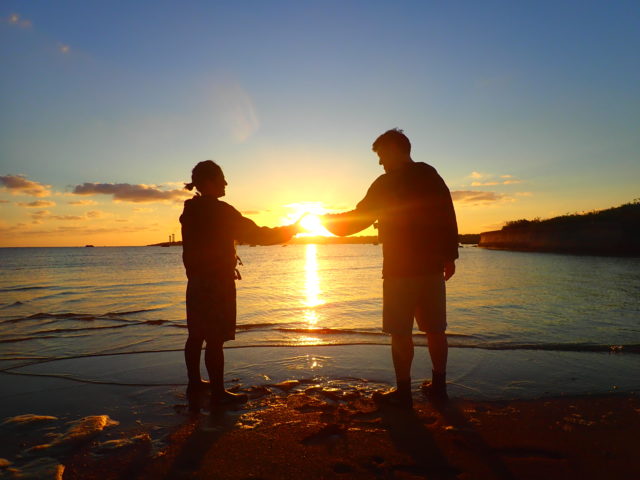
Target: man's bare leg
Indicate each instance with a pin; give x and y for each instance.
(402, 354)
(438, 351)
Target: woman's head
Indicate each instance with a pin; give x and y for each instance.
(208, 179)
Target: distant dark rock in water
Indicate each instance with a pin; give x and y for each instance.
(615, 231)
(88, 246)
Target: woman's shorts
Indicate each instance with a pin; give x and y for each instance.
(211, 308)
(422, 297)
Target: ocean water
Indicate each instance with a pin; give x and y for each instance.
(521, 325)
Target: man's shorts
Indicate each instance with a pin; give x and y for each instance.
(211, 308)
(422, 297)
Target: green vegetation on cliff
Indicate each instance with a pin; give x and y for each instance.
(614, 231)
(627, 215)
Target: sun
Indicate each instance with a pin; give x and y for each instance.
(310, 222)
(312, 226)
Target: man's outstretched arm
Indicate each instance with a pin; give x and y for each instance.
(347, 223)
(365, 213)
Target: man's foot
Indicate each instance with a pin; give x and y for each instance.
(436, 392)
(395, 398)
(225, 397)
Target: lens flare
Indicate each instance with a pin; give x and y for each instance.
(312, 225)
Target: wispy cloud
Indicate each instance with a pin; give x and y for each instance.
(475, 197)
(41, 215)
(126, 192)
(484, 184)
(490, 180)
(17, 20)
(82, 202)
(37, 204)
(491, 183)
(20, 185)
(67, 217)
(23, 230)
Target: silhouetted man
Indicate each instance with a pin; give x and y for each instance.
(419, 235)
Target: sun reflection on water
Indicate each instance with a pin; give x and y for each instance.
(312, 295)
(312, 281)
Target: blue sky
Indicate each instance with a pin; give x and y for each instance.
(540, 99)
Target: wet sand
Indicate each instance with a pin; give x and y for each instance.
(304, 430)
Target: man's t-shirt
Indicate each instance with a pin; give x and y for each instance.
(416, 220)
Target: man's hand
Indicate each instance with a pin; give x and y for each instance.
(449, 270)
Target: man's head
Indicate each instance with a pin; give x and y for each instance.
(393, 148)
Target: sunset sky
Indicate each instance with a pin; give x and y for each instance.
(526, 109)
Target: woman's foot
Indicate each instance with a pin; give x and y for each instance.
(225, 397)
(198, 386)
(196, 391)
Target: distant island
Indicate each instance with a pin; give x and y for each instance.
(614, 231)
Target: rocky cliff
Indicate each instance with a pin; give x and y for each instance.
(614, 231)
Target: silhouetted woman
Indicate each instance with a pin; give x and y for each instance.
(210, 228)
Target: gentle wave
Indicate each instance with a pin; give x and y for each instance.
(456, 340)
(25, 339)
(9, 305)
(346, 331)
(87, 317)
(22, 289)
(65, 330)
(255, 326)
(132, 312)
(51, 333)
(617, 349)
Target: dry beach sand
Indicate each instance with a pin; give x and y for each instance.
(300, 430)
